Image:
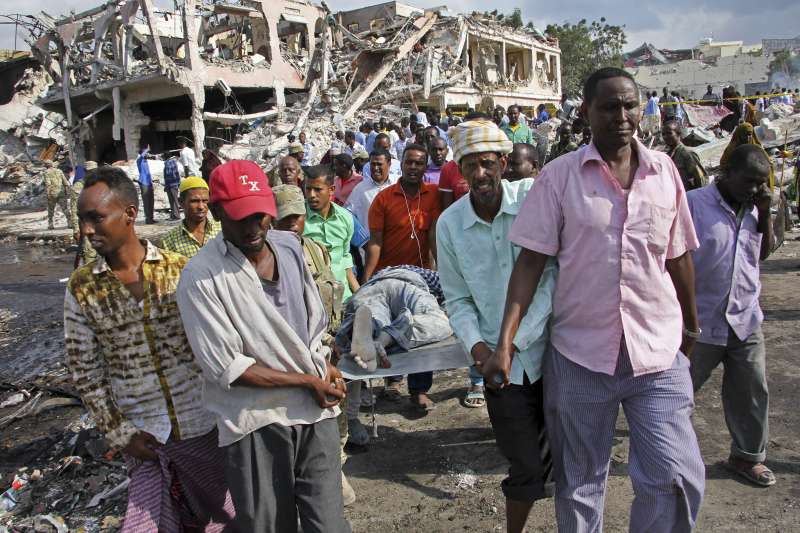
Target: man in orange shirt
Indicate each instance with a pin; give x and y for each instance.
(402, 222)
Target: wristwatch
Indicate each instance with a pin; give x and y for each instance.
(692, 334)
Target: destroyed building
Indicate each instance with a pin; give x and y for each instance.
(690, 72)
(126, 73)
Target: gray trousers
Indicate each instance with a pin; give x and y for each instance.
(665, 465)
(745, 398)
(278, 472)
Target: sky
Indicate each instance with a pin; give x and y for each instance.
(670, 24)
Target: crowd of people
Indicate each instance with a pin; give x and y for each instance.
(670, 107)
(581, 277)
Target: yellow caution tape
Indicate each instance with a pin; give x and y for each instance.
(752, 97)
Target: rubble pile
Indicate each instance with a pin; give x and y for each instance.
(382, 73)
(66, 480)
(28, 134)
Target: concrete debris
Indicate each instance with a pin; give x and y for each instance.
(124, 69)
(778, 111)
(766, 131)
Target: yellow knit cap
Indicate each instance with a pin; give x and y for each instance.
(192, 182)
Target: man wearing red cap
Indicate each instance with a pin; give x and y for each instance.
(255, 321)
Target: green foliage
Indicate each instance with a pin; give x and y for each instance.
(585, 48)
(515, 19)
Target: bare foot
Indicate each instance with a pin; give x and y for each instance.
(362, 345)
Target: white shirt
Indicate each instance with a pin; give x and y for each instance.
(308, 152)
(394, 170)
(363, 194)
(350, 150)
(189, 162)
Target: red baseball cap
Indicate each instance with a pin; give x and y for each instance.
(242, 189)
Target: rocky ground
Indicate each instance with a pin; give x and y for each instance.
(438, 473)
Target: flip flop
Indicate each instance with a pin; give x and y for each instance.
(756, 473)
(474, 398)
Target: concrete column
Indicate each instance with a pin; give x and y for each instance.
(198, 97)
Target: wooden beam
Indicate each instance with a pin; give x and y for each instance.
(365, 89)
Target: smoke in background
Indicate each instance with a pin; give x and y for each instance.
(785, 79)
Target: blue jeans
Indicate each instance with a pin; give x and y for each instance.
(475, 376)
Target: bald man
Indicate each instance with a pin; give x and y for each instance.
(523, 162)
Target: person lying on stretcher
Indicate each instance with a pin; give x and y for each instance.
(400, 308)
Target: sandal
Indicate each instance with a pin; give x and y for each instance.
(474, 398)
(756, 473)
(422, 402)
(392, 391)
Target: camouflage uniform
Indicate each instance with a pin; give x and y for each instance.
(86, 251)
(319, 264)
(56, 186)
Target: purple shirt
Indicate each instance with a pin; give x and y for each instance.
(432, 174)
(726, 267)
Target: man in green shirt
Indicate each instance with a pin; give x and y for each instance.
(331, 225)
(517, 132)
(197, 227)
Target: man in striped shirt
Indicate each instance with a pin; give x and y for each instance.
(134, 369)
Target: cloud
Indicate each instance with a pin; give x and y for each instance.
(673, 24)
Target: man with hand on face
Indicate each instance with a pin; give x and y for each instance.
(197, 227)
(133, 366)
(522, 163)
(693, 175)
(619, 209)
(474, 286)
(257, 327)
(331, 225)
(401, 224)
(732, 220)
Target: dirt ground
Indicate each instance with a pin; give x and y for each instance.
(441, 472)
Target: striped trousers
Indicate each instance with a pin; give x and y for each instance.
(184, 490)
(665, 465)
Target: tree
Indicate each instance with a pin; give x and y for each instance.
(515, 19)
(585, 48)
(782, 63)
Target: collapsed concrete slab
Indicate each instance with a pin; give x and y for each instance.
(246, 74)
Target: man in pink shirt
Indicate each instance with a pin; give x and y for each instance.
(615, 216)
(346, 178)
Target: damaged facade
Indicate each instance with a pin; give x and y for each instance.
(248, 72)
(126, 73)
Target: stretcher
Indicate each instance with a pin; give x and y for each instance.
(448, 354)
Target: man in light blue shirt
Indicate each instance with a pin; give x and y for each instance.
(475, 260)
